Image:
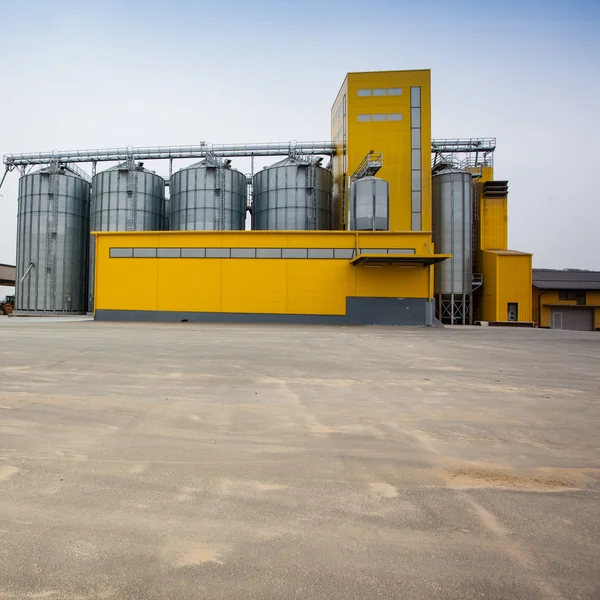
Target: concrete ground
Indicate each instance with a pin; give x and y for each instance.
(186, 461)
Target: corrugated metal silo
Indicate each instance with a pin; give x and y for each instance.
(369, 204)
(52, 241)
(293, 194)
(125, 198)
(452, 205)
(207, 196)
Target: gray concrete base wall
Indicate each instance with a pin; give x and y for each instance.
(359, 311)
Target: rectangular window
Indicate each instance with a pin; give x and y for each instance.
(394, 91)
(193, 252)
(169, 252)
(364, 93)
(343, 253)
(379, 92)
(416, 201)
(121, 252)
(295, 253)
(379, 117)
(144, 253)
(415, 159)
(395, 117)
(401, 250)
(243, 253)
(416, 138)
(415, 96)
(364, 118)
(320, 253)
(578, 296)
(416, 222)
(416, 181)
(218, 253)
(373, 251)
(415, 116)
(268, 253)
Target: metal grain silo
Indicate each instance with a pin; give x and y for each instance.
(369, 204)
(452, 205)
(207, 196)
(52, 241)
(293, 194)
(125, 198)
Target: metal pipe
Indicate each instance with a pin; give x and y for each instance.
(31, 265)
(222, 150)
(4, 176)
(158, 152)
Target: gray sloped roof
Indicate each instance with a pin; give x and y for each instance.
(547, 279)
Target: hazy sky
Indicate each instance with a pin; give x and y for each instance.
(83, 74)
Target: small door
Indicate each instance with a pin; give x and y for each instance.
(572, 318)
(556, 320)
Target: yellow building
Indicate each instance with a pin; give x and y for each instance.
(388, 112)
(301, 276)
(251, 276)
(504, 296)
(380, 124)
(566, 299)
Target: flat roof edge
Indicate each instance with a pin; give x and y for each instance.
(268, 232)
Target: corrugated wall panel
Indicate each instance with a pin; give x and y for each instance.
(494, 232)
(489, 263)
(514, 285)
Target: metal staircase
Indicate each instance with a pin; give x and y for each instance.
(369, 165)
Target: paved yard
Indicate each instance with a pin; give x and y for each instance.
(189, 461)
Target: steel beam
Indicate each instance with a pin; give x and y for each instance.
(222, 150)
(169, 152)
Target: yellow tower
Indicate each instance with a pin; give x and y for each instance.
(388, 112)
(505, 294)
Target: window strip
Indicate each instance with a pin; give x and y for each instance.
(248, 253)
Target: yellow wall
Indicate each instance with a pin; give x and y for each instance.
(541, 297)
(507, 278)
(391, 138)
(494, 224)
(493, 214)
(339, 131)
(282, 286)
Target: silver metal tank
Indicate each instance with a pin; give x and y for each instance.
(452, 206)
(52, 241)
(369, 204)
(293, 194)
(125, 198)
(207, 196)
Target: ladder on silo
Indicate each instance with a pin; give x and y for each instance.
(52, 232)
(311, 192)
(132, 189)
(220, 198)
